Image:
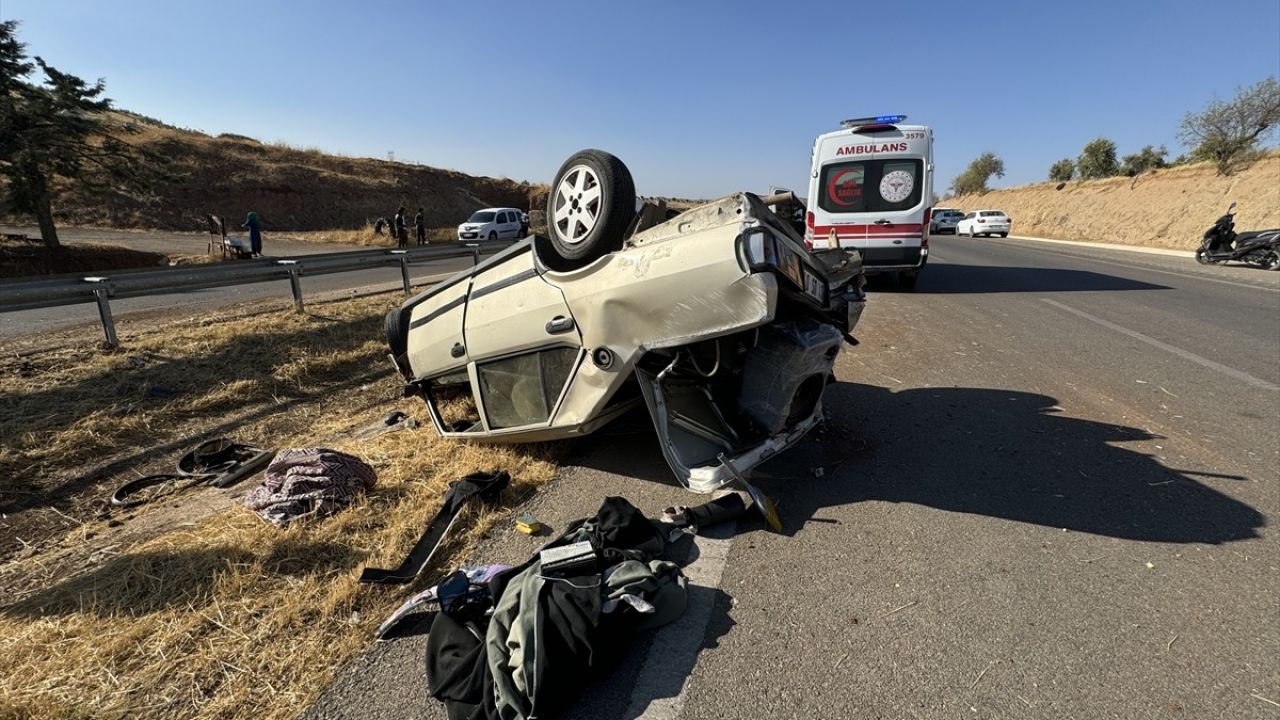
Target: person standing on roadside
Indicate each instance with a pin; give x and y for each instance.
(402, 231)
(420, 227)
(255, 233)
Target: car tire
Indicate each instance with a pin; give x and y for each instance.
(907, 279)
(492, 236)
(1003, 235)
(591, 204)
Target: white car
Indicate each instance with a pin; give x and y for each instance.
(493, 224)
(944, 220)
(720, 321)
(984, 222)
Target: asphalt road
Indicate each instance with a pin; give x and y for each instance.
(44, 320)
(1049, 479)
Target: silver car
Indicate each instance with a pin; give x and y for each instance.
(719, 321)
(944, 221)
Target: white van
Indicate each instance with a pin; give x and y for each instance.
(870, 188)
(494, 224)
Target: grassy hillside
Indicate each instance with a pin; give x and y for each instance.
(290, 188)
(1168, 208)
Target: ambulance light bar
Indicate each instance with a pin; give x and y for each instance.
(878, 120)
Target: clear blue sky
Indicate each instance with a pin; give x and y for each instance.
(698, 98)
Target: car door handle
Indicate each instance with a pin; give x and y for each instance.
(559, 324)
(882, 221)
(457, 350)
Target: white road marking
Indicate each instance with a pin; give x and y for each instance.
(1109, 246)
(1132, 266)
(659, 690)
(1184, 354)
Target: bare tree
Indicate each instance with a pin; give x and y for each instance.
(1227, 132)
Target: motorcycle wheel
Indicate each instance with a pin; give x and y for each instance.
(1270, 261)
(1202, 257)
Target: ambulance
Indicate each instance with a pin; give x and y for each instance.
(870, 188)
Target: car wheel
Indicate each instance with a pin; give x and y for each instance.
(492, 236)
(907, 279)
(1003, 235)
(591, 204)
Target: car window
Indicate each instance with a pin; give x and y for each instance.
(968, 217)
(522, 390)
(454, 402)
(483, 216)
(992, 213)
(870, 186)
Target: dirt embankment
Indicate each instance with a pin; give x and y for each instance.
(290, 188)
(1169, 208)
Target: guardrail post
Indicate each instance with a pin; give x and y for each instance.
(104, 312)
(404, 269)
(296, 286)
(475, 253)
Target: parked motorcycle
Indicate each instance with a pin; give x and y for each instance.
(1221, 243)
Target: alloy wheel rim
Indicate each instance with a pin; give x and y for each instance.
(577, 206)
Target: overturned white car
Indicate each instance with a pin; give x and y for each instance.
(719, 320)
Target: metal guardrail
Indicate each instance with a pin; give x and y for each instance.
(73, 289)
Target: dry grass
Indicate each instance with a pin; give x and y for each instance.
(290, 188)
(1168, 208)
(365, 236)
(193, 608)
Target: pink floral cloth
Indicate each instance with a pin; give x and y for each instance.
(304, 482)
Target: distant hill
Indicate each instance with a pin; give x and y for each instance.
(1168, 208)
(290, 188)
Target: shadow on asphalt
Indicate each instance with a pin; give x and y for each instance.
(950, 278)
(1001, 453)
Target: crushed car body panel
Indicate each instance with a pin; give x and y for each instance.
(718, 319)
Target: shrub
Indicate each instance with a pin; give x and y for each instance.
(1146, 159)
(1062, 171)
(1098, 160)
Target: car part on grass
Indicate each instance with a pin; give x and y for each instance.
(487, 485)
(220, 462)
(216, 457)
(150, 488)
(395, 421)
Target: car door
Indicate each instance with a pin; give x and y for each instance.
(512, 228)
(522, 341)
(966, 223)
